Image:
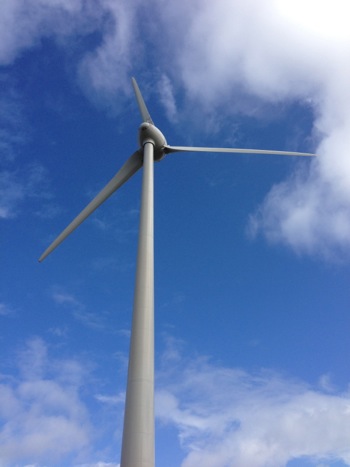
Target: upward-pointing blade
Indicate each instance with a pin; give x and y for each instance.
(131, 166)
(170, 149)
(142, 106)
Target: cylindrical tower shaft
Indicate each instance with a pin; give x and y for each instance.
(138, 433)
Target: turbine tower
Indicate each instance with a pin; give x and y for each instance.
(138, 432)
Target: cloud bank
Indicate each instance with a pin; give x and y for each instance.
(229, 417)
(43, 418)
(223, 416)
(280, 52)
(224, 54)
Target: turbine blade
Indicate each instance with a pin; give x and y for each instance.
(142, 106)
(170, 149)
(131, 166)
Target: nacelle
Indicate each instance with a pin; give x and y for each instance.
(150, 133)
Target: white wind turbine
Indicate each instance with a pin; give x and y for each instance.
(138, 432)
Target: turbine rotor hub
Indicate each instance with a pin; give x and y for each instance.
(149, 133)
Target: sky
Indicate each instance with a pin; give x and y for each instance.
(252, 255)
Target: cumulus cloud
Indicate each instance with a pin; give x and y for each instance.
(23, 23)
(228, 56)
(104, 69)
(226, 416)
(43, 418)
(278, 51)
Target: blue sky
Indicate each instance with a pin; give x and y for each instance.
(252, 252)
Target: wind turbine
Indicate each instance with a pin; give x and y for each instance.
(138, 431)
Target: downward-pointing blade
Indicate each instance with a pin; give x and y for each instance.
(170, 149)
(142, 106)
(131, 166)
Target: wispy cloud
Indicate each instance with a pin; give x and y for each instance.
(120, 223)
(17, 187)
(229, 57)
(111, 400)
(19, 184)
(11, 193)
(105, 69)
(5, 309)
(97, 321)
(99, 464)
(79, 310)
(224, 416)
(43, 418)
(60, 332)
(64, 298)
(167, 98)
(227, 416)
(14, 127)
(23, 24)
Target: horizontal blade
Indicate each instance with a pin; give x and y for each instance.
(131, 166)
(170, 149)
(142, 106)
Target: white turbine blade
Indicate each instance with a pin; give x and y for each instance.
(142, 106)
(170, 149)
(131, 166)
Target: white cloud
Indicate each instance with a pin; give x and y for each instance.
(19, 186)
(24, 22)
(13, 131)
(64, 298)
(229, 56)
(11, 193)
(61, 332)
(306, 213)
(227, 416)
(91, 319)
(43, 418)
(99, 464)
(224, 416)
(105, 69)
(230, 52)
(111, 400)
(5, 310)
(167, 98)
